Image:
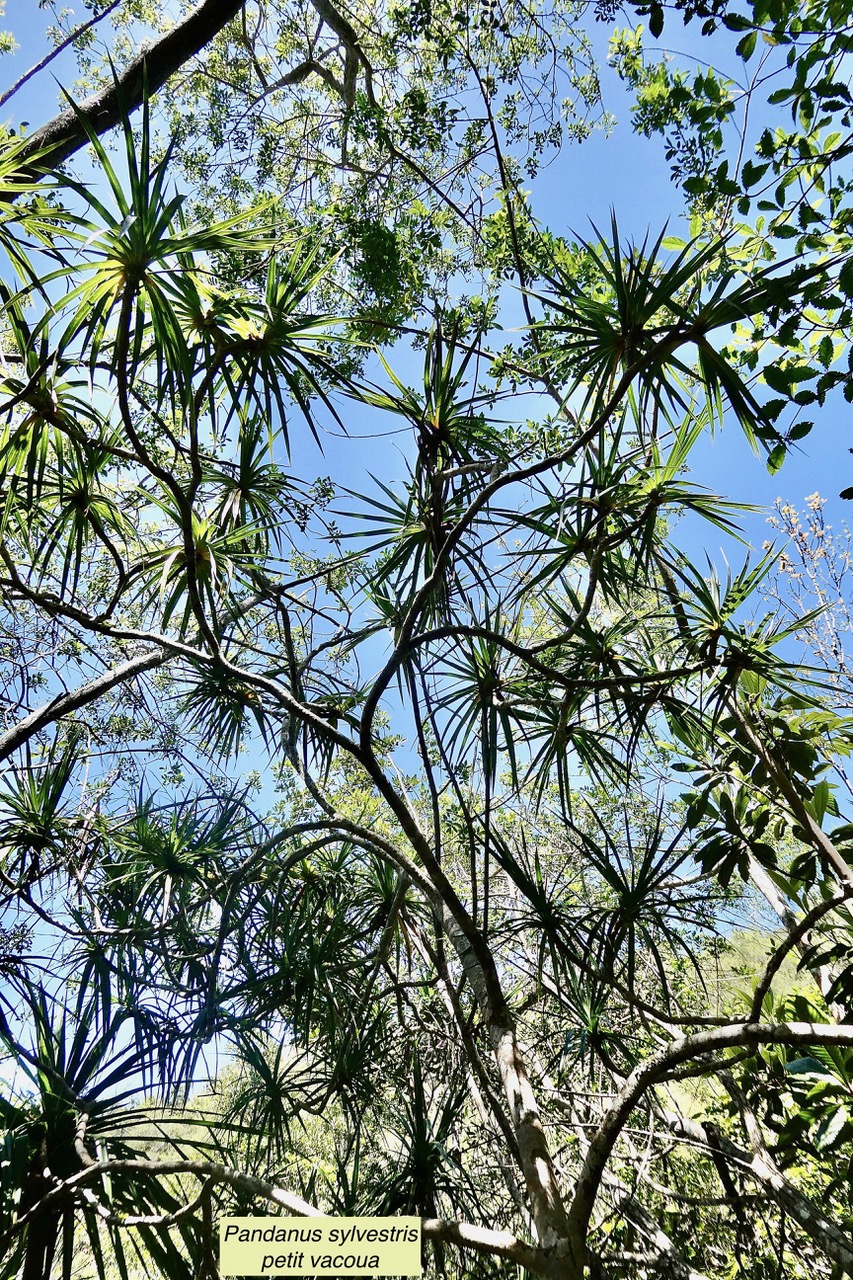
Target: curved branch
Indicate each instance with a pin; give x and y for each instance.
(481, 1240)
(356, 56)
(656, 1069)
(528, 654)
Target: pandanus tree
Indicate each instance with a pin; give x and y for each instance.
(447, 952)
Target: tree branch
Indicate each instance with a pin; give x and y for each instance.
(794, 939)
(655, 1069)
(61, 137)
(68, 702)
(60, 48)
(500, 1244)
(820, 1230)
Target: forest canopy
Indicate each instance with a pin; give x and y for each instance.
(403, 809)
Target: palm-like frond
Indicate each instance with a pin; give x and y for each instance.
(35, 822)
(648, 316)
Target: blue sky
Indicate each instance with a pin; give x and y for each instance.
(622, 172)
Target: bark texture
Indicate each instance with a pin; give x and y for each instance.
(63, 705)
(65, 134)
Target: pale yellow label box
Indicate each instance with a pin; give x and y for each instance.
(320, 1246)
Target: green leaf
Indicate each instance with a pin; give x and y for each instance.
(752, 173)
(746, 46)
(806, 1066)
(845, 279)
(776, 457)
(830, 1129)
